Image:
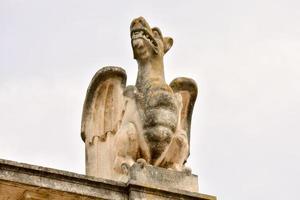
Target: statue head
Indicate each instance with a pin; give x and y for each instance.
(147, 42)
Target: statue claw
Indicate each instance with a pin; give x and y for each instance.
(187, 170)
(142, 162)
(125, 168)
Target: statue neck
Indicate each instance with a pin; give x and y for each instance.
(151, 71)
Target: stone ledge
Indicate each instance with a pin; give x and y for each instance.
(17, 179)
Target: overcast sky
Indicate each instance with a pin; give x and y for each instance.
(244, 55)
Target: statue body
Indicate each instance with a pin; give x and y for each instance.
(148, 123)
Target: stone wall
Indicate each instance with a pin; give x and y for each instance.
(20, 181)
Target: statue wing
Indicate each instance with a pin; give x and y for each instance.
(102, 115)
(187, 88)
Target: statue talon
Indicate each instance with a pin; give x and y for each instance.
(125, 168)
(187, 170)
(142, 162)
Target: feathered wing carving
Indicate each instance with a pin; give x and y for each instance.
(101, 119)
(188, 90)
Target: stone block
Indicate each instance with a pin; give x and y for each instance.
(151, 176)
(19, 181)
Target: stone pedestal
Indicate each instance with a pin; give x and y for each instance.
(28, 182)
(162, 178)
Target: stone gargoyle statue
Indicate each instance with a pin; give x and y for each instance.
(148, 123)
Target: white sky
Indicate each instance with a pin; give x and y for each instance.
(244, 55)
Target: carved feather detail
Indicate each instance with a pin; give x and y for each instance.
(188, 90)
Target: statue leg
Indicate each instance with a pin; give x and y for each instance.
(176, 153)
(126, 146)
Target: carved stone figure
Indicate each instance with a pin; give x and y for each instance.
(148, 123)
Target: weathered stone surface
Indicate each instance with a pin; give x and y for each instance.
(56, 183)
(101, 118)
(151, 176)
(20, 181)
(149, 122)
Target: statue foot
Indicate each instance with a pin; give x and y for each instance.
(142, 162)
(125, 168)
(187, 170)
